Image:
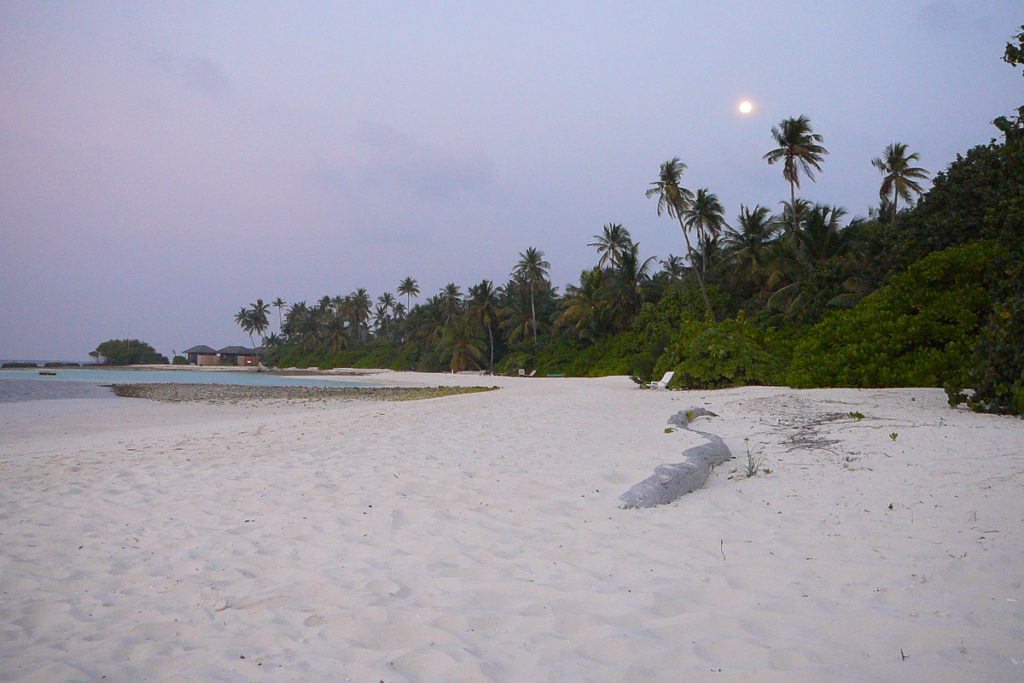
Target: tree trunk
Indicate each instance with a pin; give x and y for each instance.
(533, 317)
(792, 203)
(490, 367)
(696, 272)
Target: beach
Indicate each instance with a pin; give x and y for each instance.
(478, 537)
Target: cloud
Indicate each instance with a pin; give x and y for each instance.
(196, 73)
(379, 156)
(394, 158)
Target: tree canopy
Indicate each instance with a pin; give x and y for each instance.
(127, 352)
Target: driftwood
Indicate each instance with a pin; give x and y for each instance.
(672, 481)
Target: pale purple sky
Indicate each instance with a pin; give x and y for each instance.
(164, 164)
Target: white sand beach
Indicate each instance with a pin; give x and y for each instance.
(478, 538)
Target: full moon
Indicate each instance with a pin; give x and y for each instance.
(746, 107)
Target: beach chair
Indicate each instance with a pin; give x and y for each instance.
(663, 382)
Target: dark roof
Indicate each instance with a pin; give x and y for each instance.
(202, 348)
(238, 351)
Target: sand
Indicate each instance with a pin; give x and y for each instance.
(478, 537)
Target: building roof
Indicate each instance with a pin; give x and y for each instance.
(202, 348)
(238, 351)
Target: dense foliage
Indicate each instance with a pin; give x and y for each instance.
(925, 294)
(127, 352)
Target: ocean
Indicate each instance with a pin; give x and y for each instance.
(29, 385)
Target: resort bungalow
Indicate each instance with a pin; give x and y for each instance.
(202, 355)
(239, 355)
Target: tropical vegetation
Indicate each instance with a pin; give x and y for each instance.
(127, 352)
(927, 290)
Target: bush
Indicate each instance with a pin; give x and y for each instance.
(713, 355)
(995, 373)
(127, 352)
(916, 331)
(179, 360)
(513, 362)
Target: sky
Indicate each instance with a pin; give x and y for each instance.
(163, 164)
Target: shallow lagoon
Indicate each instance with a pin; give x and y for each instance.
(28, 384)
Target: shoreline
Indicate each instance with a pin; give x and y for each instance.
(169, 392)
(478, 537)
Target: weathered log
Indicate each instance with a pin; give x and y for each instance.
(669, 482)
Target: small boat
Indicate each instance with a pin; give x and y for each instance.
(47, 372)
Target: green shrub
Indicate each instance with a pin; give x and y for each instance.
(713, 355)
(179, 360)
(915, 331)
(127, 352)
(513, 362)
(995, 371)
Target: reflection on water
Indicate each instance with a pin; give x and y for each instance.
(29, 390)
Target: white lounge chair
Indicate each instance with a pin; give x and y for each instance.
(663, 382)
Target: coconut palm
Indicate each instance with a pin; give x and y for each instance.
(747, 245)
(245, 320)
(462, 338)
(279, 304)
(451, 301)
(360, 310)
(821, 237)
(705, 215)
(899, 178)
(587, 309)
(799, 150)
(408, 288)
(259, 313)
(387, 301)
(613, 240)
(483, 306)
(531, 269)
(628, 281)
(674, 200)
(674, 267)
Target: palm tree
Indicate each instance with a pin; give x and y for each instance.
(462, 338)
(799, 150)
(628, 281)
(408, 288)
(899, 178)
(587, 308)
(483, 305)
(674, 267)
(706, 215)
(821, 237)
(279, 304)
(675, 200)
(747, 246)
(244, 319)
(613, 240)
(451, 301)
(387, 301)
(531, 268)
(360, 303)
(260, 323)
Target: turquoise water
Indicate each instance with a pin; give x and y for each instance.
(27, 385)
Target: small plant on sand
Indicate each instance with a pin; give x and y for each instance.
(754, 464)
(893, 436)
(857, 416)
(669, 430)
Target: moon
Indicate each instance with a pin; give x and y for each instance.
(746, 107)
